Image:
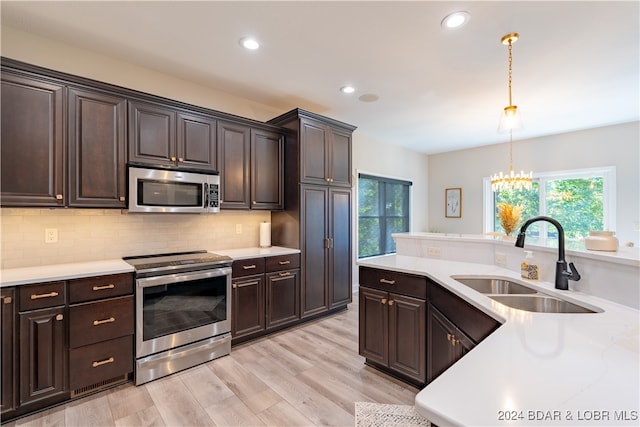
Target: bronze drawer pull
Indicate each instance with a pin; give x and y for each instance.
(388, 282)
(249, 267)
(49, 295)
(100, 288)
(284, 262)
(285, 274)
(100, 322)
(103, 362)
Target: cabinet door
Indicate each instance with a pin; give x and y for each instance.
(32, 150)
(373, 334)
(43, 354)
(8, 362)
(340, 247)
(283, 297)
(340, 158)
(97, 144)
(266, 170)
(407, 336)
(152, 134)
(248, 305)
(196, 143)
(314, 140)
(446, 343)
(233, 161)
(314, 247)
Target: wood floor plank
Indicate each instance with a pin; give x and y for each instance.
(205, 386)
(147, 417)
(48, 418)
(283, 414)
(128, 399)
(176, 404)
(91, 411)
(233, 412)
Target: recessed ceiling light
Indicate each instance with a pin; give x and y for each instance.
(455, 20)
(347, 89)
(249, 43)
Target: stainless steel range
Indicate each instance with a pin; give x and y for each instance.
(183, 311)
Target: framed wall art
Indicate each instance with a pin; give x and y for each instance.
(453, 202)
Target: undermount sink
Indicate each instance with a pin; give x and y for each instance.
(540, 304)
(488, 285)
(519, 296)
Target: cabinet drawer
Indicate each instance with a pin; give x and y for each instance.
(99, 321)
(283, 262)
(392, 281)
(246, 267)
(33, 297)
(473, 322)
(92, 288)
(99, 362)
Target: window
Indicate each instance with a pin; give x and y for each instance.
(383, 209)
(581, 200)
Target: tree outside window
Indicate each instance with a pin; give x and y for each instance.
(383, 209)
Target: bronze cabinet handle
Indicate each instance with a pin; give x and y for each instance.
(388, 282)
(285, 274)
(49, 295)
(284, 262)
(100, 288)
(249, 267)
(100, 322)
(383, 301)
(391, 302)
(7, 300)
(103, 362)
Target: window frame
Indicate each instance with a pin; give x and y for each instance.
(380, 177)
(608, 173)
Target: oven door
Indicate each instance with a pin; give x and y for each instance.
(178, 309)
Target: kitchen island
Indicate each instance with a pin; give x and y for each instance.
(537, 368)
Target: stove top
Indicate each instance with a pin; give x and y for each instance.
(170, 263)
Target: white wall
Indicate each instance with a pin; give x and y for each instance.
(607, 146)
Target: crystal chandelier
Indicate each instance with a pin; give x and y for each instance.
(510, 120)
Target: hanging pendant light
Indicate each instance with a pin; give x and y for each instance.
(510, 120)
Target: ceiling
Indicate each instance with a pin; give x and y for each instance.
(575, 66)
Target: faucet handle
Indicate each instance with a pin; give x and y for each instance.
(574, 275)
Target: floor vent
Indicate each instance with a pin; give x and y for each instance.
(99, 386)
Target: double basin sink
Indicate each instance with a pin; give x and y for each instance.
(520, 297)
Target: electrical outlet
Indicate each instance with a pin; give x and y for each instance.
(500, 259)
(51, 235)
(238, 228)
(433, 251)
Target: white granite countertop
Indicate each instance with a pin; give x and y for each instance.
(537, 368)
(245, 253)
(48, 273)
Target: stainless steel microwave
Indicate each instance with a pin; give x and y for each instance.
(172, 191)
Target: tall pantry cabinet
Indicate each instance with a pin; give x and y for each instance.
(317, 214)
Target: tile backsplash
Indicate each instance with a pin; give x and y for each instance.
(99, 234)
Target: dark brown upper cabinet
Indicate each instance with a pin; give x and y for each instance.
(33, 142)
(325, 153)
(251, 171)
(164, 136)
(97, 149)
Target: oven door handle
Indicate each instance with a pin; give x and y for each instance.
(174, 279)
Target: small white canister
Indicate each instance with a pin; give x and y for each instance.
(601, 241)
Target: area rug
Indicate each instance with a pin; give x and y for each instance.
(384, 415)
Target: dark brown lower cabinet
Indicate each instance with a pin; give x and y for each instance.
(265, 295)
(8, 360)
(248, 305)
(413, 328)
(393, 333)
(43, 355)
(446, 341)
(283, 298)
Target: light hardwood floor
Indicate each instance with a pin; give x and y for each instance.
(310, 375)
